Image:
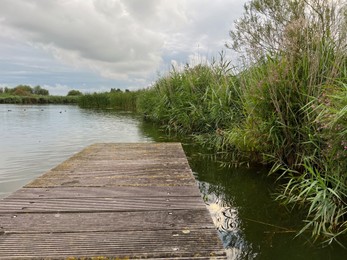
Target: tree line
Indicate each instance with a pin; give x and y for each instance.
(25, 90)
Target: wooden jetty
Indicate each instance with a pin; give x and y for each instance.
(111, 201)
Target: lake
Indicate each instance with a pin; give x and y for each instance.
(34, 139)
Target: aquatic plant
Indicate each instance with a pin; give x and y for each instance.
(109, 100)
(37, 99)
(295, 56)
(282, 108)
(198, 100)
(285, 107)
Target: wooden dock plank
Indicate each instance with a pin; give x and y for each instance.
(104, 192)
(141, 244)
(111, 182)
(111, 200)
(111, 221)
(99, 204)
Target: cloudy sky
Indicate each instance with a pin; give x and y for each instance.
(95, 45)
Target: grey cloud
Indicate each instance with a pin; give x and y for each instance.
(125, 39)
(77, 27)
(142, 10)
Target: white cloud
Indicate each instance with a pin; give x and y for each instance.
(120, 39)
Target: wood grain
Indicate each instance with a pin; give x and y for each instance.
(111, 201)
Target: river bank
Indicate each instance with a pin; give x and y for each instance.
(250, 223)
(37, 99)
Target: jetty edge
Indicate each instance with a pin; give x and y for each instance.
(111, 201)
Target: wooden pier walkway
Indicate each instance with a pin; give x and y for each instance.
(111, 201)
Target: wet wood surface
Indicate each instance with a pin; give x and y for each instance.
(111, 201)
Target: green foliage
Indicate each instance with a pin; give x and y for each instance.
(115, 90)
(74, 93)
(36, 99)
(40, 91)
(10, 99)
(112, 100)
(285, 108)
(21, 90)
(25, 90)
(323, 196)
(23, 94)
(199, 100)
(296, 57)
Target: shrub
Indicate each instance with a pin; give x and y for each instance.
(40, 91)
(74, 93)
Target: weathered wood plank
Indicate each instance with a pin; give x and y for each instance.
(111, 182)
(134, 244)
(100, 204)
(105, 192)
(113, 165)
(123, 171)
(111, 200)
(106, 221)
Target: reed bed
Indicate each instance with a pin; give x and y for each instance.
(37, 99)
(286, 108)
(110, 100)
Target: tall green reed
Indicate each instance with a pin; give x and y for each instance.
(203, 101)
(296, 56)
(110, 100)
(286, 107)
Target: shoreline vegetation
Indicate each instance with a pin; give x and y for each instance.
(115, 99)
(286, 107)
(24, 94)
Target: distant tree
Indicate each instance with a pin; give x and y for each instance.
(115, 90)
(6, 90)
(127, 90)
(1, 90)
(74, 93)
(22, 90)
(40, 91)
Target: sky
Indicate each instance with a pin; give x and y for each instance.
(96, 45)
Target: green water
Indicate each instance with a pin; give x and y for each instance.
(251, 225)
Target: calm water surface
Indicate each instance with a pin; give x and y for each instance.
(34, 139)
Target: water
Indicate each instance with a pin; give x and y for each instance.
(34, 139)
(251, 224)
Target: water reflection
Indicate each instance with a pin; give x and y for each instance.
(228, 224)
